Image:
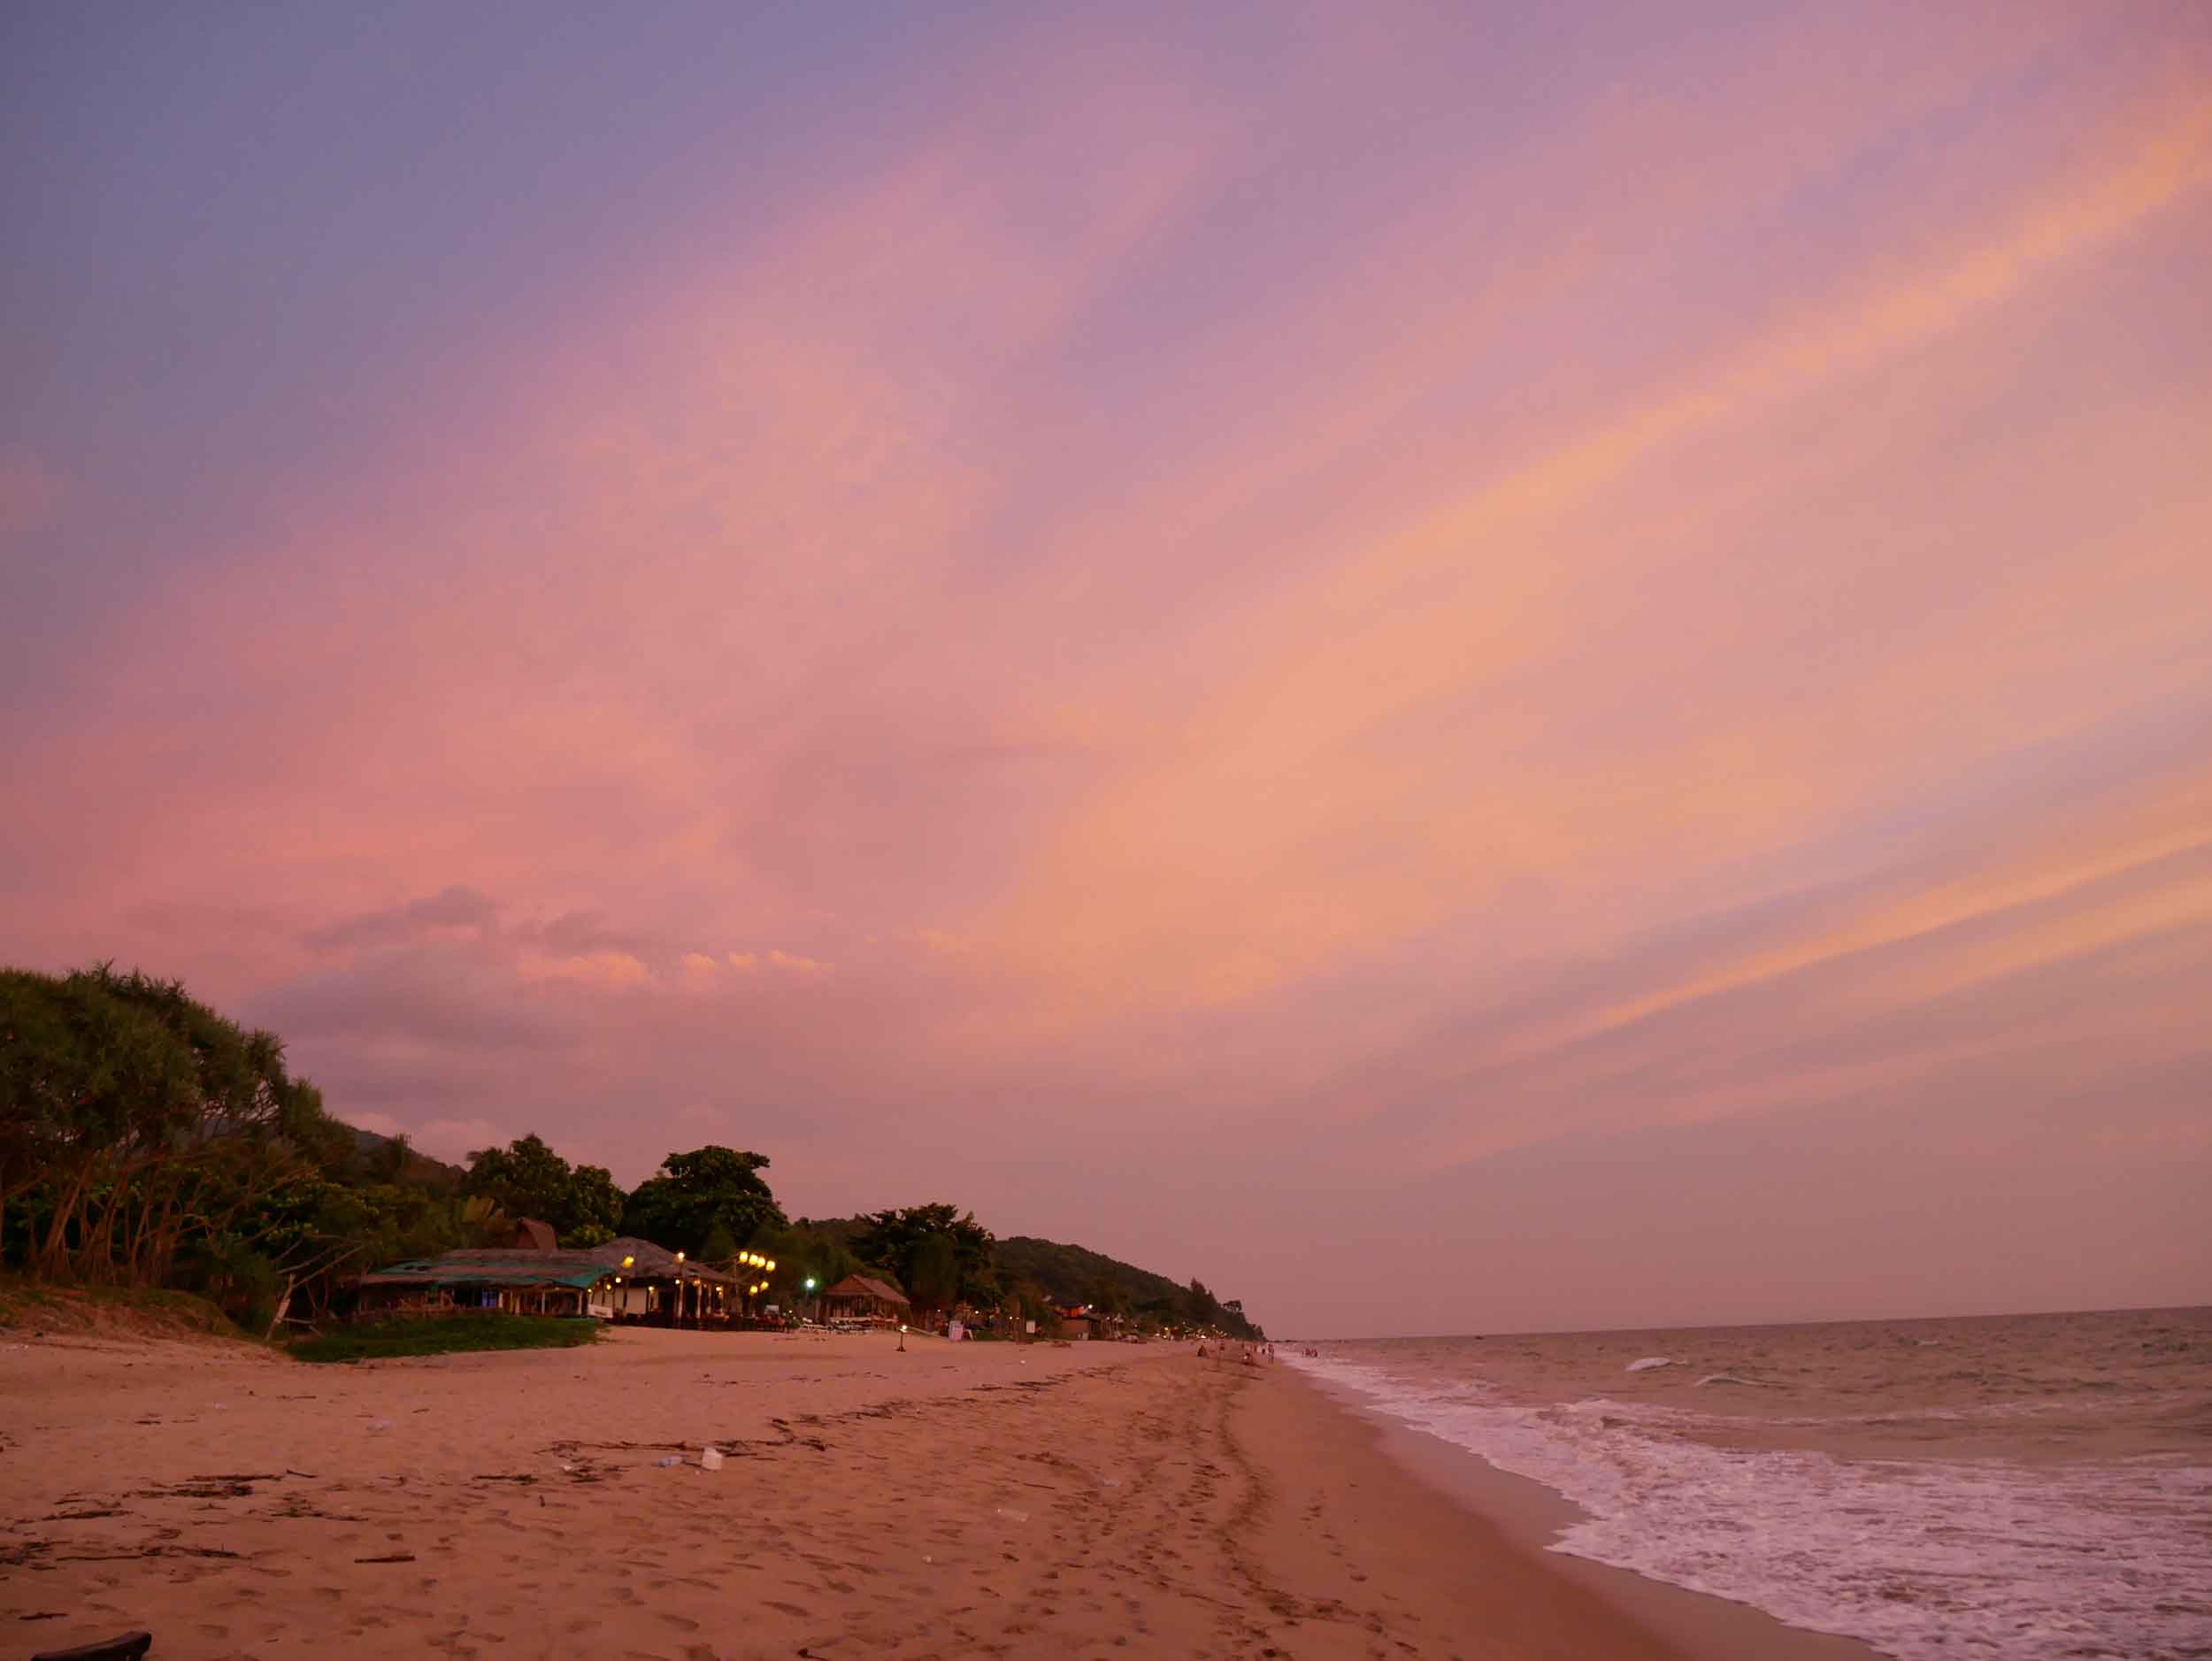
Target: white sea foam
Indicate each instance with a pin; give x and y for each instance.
(1648, 1363)
(1928, 1560)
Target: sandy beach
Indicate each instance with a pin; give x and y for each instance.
(961, 1500)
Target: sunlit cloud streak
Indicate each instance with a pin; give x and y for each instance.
(1315, 605)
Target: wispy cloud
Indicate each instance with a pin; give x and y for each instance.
(457, 907)
(1166, 604)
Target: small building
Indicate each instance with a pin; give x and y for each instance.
(532, 1235)
(623, 1280)
(657, 1286)
(1083, 1321)
(863, 1297)
(517, 1283)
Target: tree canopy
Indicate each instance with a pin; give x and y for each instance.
(139, 1122)
(941, 1253)
(696, 1193)
(146, 1139)
(527, 1179)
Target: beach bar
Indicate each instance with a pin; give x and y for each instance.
(1082, 1321)
(664, 1288)
(624, 1280)
(863, 1297)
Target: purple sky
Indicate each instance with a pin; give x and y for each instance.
(1459, 669)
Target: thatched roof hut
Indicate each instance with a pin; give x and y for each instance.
(863, 1296)
(532, 1235)
(642, 1260)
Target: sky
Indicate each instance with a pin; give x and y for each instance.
(1460, 667)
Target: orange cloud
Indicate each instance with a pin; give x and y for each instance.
(1239, 852)
(1297, 611)
(598, 968)
(807, 968)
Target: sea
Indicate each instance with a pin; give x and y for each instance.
(2020, 1487)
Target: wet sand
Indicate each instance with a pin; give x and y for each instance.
(977, 1499)
(1515, 1520)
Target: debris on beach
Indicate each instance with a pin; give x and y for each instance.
(1649, 1363)
(129, 1645)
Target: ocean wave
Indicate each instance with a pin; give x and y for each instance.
(1922, 1558)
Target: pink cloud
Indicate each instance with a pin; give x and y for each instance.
(1155, 644)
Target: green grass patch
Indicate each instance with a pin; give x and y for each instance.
(444, 1334)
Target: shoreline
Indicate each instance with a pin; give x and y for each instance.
(1092, 1500)
(1528, 1516)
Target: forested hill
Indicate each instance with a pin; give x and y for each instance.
(1076, 1274)
(420, 1167)
(1067, 1274)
